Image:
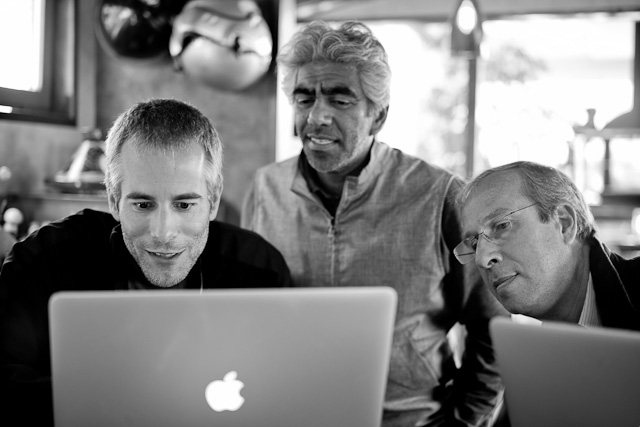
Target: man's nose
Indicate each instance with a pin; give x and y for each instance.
(487, 253)
(320, 113)
(164, 225)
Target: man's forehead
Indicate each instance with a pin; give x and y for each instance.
(497, 194)
(328, 76)
(504, 183)
(326, 88)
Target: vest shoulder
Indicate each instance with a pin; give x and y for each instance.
(414, 171)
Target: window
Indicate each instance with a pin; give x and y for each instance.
(428, 108)
(36, 44)
(427, 114)
(537, 78)
(538, 81)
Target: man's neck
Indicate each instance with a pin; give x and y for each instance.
(135, 284)
(333, 182)
(571, 309)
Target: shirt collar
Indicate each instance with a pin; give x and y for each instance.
(313, 181)
(590, 317)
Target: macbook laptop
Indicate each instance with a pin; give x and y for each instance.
(299, 357)
(564, 375)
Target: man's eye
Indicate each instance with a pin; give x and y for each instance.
(501, 227)
(341, 103)
(304, 102)
(142, 205)
(184, 206)
(473, 242)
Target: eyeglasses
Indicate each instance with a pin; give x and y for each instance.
(498, 232)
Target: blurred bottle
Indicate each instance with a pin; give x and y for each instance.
(85, 173)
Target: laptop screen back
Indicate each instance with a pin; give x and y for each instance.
(559, 374)
(274, 357)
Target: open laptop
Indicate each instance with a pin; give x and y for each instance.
(559, 374)
(300, 357)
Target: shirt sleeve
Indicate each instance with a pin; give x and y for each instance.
(478, 387)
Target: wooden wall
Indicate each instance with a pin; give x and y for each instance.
(246, 120)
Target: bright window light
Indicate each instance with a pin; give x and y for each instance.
(467, 17)
(21, 44)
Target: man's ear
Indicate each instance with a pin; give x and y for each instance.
(378, 122)
(113, 207)
(568, 220)
(214, 202)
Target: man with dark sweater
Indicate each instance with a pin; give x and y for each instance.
(532, 237)
(164, 182)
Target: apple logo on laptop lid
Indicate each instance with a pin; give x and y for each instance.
(224, 395)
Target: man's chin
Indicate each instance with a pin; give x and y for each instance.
(164, 274)
(326, 164)
(165, 283)
(167, 280)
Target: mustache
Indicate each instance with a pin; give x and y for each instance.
(319, 131)
(156, 246)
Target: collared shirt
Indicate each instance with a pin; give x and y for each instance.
(330, 201)
(590, 318)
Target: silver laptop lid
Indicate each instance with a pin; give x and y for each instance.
(560, 374)
(280, 357)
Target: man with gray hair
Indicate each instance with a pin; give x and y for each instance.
(532, 236)
(164, 182)
(352, 211)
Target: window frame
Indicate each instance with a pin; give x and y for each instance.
(55, 102)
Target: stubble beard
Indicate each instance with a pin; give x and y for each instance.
(177, 275)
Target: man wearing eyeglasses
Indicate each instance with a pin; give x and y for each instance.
(533, 238)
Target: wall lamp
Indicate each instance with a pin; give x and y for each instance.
(466, 30)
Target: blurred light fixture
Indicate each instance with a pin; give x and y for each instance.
(226, 44)
(466, 30)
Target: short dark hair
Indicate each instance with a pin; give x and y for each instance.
(167, 125)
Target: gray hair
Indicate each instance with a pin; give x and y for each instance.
(350, 44)
(548, 187)
(165, 125)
